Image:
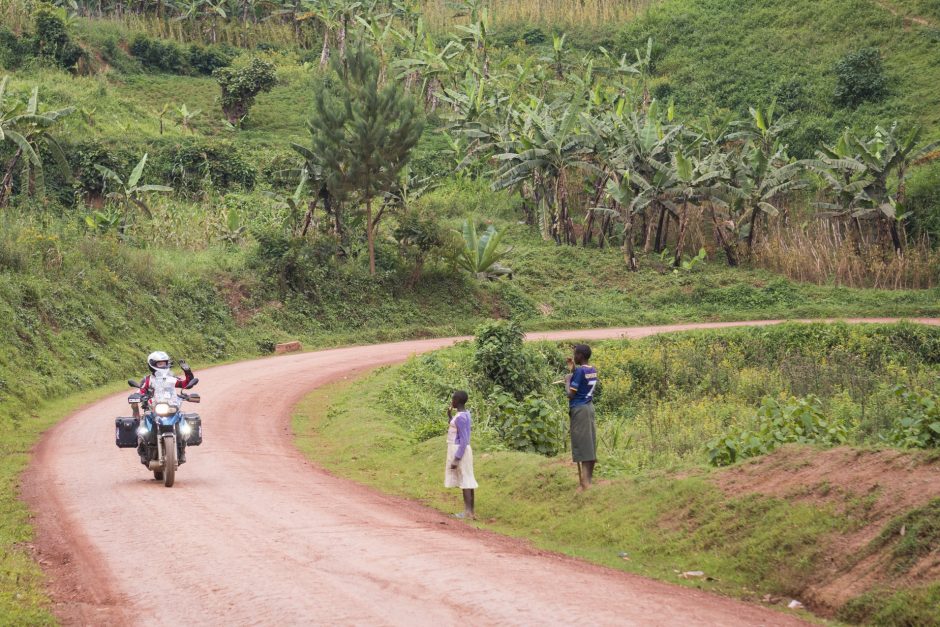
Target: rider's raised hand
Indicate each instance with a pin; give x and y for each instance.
(185, 366)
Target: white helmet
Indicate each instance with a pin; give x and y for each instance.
(158, 360)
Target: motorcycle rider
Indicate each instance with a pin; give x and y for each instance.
(159, 361)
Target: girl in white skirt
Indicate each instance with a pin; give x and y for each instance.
(458, 470)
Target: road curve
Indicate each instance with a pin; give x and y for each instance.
(252, 534)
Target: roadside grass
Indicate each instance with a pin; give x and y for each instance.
(23, 600)
(917, 607)
(652, 524)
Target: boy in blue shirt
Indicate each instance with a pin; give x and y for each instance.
(580, 385)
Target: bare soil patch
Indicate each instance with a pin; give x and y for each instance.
(870, 488)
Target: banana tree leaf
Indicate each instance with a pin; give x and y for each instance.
(33, 105)
(137, 172)
(23, 144)
(108, 173)
(768, 208)
(153, 188)
(143, 207)
(59, 156)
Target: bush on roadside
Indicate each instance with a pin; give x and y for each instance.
(240, 86)
(778, 422)
(207, 59)
(919, 425)
(534, 424)
(501, 360)
(51, 38)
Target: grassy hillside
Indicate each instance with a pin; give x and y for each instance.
(713, 54)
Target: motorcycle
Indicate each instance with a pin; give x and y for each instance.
(164, 431)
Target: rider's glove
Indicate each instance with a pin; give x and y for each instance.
(185, 366)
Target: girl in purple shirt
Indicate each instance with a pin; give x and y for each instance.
(458, 470)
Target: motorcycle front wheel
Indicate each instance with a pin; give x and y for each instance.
(169, 461)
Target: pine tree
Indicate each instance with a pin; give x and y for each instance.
(363, 133)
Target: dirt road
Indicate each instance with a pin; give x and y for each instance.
(252, 534)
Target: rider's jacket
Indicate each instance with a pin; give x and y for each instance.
(181, 382)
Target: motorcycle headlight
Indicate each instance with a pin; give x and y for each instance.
(142, 430)
(185, 429)
(164, 409)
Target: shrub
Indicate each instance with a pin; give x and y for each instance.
(533, 424)
(793, 420)
(12, 49)
(51, 39)
(166, 56)
(241, 85)
(501, 360)
(919, 427)
(860, 77)
(419, 235)
(82, 159)
(923, 200)
(195, 165)
(207, 59)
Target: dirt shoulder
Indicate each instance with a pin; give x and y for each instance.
(872, 489)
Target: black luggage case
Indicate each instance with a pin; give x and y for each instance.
(125, 432)
(195, 436)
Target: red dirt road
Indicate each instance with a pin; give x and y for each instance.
(252, 534)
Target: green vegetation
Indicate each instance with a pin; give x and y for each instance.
(241, 85)
(652, 524)
(362, 141)
(779, 421)
(647, 136)
(690, 398)
(920, 425)
(23, 598)
(917, 606)
(529, 495)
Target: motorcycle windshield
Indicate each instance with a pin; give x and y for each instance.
(164, 389)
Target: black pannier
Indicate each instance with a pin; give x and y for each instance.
(125, 432)
(195, 436)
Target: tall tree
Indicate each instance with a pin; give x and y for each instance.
(365, 133)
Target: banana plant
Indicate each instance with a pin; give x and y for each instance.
(481, 254)
(557, 58)
(844, 180)
(186, 117)
(552, 142)
(129, 193)
(28, 130)
(232, 229)
(432, 65)
(889, 153)
(104, 221)
(761, 184)
(300, 207)
(620, 204)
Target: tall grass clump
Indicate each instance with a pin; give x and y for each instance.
(830, 252)
(548, 13)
